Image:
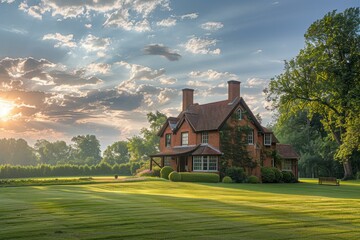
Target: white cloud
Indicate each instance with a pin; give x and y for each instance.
(201, 46)
(88, 25)
(168, 22)
(198, 83)
(212, 26)
(190, 16)
(254, 82)
(213, 75)
(101, 68)
(139, 72)
(258, 51)
(167, 80)
(62, 40)
(121, 19)
(92, 43)
(7, 1)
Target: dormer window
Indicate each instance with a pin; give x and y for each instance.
(239, 114)
(184, 138)
(204, 137)
(168, 140)
(267, 139)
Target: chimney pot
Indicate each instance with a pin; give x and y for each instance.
(233, 90)
(188, 98)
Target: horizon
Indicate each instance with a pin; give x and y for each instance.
(98, 68)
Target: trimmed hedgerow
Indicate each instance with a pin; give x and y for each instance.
(237, 174)
(227, 179)
(278, 175)
(253, 179)
(267, 175)
(288, 177)
(165, 171)
(200, 177)
(175, 177)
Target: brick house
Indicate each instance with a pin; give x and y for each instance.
(192, 141)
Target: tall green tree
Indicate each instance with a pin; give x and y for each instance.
(116, 153)
(324, 79)
(87, 149)
(16, 152)
(52, 153)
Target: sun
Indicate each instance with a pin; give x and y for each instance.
(5, 109)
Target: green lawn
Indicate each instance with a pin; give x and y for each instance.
(167, 210)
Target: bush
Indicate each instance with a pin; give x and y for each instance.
(175, 177)
(278, 175)
(156, 171)
(227, 179)
(288, 177)
(165, 171)
(267, 175)
(237, 174)
(200, 177)
(253, 179)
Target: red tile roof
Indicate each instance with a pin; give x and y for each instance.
(286, 151)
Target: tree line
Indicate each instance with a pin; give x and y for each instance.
(84, 149)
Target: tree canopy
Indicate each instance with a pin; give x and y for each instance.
(324, 79)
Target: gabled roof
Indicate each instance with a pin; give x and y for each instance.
(210, 116)
(286, 151)
(195, 150)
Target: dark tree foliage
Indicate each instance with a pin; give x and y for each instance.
(16, 152)
(324, 79)
(87, 149)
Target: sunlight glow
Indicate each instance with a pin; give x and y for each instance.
(5, 109)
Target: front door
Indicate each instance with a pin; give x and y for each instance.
(182, 164)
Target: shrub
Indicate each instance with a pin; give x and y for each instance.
(200, 177)
(267, 175)
(278, 175)
(253, 179)
(227, 179)
(156, 171)
(288, 177)
(175, 176)
(165, 171)
(237, 174)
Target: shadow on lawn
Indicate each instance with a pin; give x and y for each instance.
(305, 189)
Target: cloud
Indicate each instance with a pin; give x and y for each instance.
(167, 80)
(212, 26)
(88, 25)
(159, 49)
(168, 22)
(255, 82)
(201, 46)
(139, 72)
(213, 75)
(92, 43)
(258, 51)
(190, 16)
(62, 40)
(7, 1)
(102, 68)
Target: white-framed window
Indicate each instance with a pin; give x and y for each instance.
(250, 137)
(287, 165)
(185, 138)
(205, 163)
(239, 114)
(167, 161)
(267, 139)
(204, 137)
(168, 140)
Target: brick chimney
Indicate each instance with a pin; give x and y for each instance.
(233, 90)
(188, 98)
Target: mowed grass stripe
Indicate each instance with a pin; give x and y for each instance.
(166, 210)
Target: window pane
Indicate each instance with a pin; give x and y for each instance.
(184, 138)
(168, 140)
(205, 137)
(197, 163)
(167, 161)
(251, 137)
(213, 163)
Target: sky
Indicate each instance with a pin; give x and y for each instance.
(71, 68)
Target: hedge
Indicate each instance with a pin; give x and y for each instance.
(44, 170)
(253, 179)
(288, 177)
(175, 176)
(267, 175)
(199, 177)
(237, 174)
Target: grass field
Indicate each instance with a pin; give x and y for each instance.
(167, 210)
